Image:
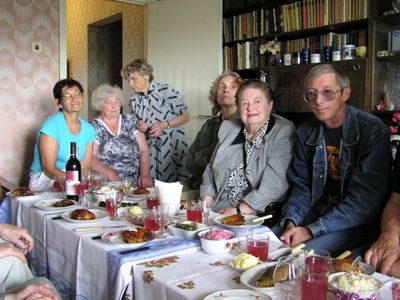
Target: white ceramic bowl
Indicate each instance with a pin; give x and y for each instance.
(341, 294)
(215, 247)
(187, 234)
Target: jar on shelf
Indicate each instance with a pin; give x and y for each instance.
(348, 52)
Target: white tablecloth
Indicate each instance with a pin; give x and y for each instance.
(77, 264)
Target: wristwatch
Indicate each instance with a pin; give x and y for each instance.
(168, 125)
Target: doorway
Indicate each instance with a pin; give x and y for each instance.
(104, 55)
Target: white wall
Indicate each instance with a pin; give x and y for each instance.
(185, 49)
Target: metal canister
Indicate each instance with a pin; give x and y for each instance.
(348, 52)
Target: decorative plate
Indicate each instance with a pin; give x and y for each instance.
(218, 220)
(114, 237)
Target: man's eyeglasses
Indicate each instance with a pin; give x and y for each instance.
(70, 96)
(327, 95)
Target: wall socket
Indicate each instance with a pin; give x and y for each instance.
(36, 47)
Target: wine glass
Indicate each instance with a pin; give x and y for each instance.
(161, 216)
(287, 275)
(126, 185)
(207, 206)
(59, 186)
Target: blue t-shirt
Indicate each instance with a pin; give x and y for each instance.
(55, 126)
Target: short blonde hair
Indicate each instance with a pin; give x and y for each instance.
(102, 93)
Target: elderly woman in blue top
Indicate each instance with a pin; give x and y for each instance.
(161, 112)
(120, 151)
(248, 169)
(53, 140)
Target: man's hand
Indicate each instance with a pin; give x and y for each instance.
(293, 235)
(384, 252)
(34, 292)
(145, 181)
(8, 249)
(18, 236)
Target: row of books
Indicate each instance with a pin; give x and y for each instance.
(241, 56)
(335, 40)
(293, 16)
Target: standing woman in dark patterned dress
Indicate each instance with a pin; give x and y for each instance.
(161, 113)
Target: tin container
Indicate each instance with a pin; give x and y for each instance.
(348, 52)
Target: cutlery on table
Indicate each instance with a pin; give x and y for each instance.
(297, 248)
(135, 250)
(258, 219)
(56, 218)
(84, 229)
(96, 237)
(344, 254)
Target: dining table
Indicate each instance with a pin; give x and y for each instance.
(88, 264)
(85, 265)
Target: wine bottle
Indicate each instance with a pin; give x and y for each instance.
(73, 174)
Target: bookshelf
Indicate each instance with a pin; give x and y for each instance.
(311, 24)
(386, 69)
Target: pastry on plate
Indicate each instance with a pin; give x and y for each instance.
(141, 191)
(139, 235)
(82, 214)
(234, 220)
(64, 203)
(24, 191)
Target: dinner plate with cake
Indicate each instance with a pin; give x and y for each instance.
(237, 221)
(84, 215)
(55, 204)
(135, 236)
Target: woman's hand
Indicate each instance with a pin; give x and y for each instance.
(18, 236)
(157, 129)
(33, 292)
(7, 250)
(141, 126)
(145, 181)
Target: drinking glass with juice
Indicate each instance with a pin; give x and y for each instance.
(194, 213)
(257, 245)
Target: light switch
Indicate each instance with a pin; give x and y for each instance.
(36, 47)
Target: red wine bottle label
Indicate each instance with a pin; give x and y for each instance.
(72, 178)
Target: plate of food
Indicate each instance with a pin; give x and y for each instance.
(237, 294)
(259, 277)
(83, 215)
(237, 221)
(55, 204)
(140, 192)
(137, 236)
(21, 192)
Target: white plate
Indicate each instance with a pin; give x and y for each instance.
(218, 220)
(237, 294)
(114, 237)
(48, 205)
(100, 214)
(250, 275)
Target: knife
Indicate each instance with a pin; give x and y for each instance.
(83, 229)
(135, 250)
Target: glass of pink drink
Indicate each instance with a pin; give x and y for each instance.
(111, 207)
(152, 201)
(150, 221)
(257, 245)
(314, 280)
(194, 213)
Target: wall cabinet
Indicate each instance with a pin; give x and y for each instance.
(314, 24)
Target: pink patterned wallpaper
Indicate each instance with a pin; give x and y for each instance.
(26, 80)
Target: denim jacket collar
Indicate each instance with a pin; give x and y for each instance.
(350, 130)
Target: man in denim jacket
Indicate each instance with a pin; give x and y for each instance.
(340, 173)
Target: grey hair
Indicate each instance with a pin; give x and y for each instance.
(341, 78)
(102, 93)
(140, 66)
(255, 84)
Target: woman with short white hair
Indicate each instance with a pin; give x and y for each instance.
(120, 151)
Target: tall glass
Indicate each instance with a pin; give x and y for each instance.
(111, 205)
(314, 280)
(207, 206)
(59, 186)
(287, 275)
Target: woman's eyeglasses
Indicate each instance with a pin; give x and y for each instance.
(70, 96)
(327, 95)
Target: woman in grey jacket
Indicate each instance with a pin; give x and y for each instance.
(248, 168)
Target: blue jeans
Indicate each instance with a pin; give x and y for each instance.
(339, 241)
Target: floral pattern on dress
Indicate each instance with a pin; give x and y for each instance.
(120, 152)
